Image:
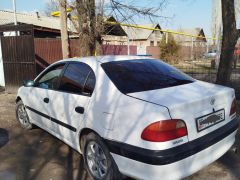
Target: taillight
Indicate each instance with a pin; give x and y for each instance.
(164, 130)
(233, 107)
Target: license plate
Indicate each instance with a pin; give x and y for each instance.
(209, 120)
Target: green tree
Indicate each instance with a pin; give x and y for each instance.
(169, 49)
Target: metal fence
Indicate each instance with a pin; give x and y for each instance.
(203, 69)
(49, 50)
(18, 56)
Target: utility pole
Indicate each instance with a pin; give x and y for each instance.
(14, 12)
(64, 31)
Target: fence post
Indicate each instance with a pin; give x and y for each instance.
(207, 48)
(192, 49)
(128, 45)
(166, 37)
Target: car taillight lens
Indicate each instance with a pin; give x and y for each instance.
(233, 107)
(164, 130)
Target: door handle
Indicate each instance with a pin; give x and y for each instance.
(46, 100)
(79, 109)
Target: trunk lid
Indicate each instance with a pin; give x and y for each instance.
(191, 101)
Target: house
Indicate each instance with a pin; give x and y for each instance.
(114, 34)
(184, 40)
(43, 26)
(49, 27)
(142, 38)
(192, 47)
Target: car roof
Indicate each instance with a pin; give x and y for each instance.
(103, 59)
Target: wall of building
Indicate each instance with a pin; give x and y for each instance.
(153, 40)
(115, 40)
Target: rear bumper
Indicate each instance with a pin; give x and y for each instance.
(176, 170)
(168, 156)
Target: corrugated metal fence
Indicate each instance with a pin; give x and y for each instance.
(48, 51)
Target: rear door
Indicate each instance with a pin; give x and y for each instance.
(70, 102)
(38, 103)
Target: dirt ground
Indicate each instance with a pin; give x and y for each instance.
(36, 154)
(33, 154)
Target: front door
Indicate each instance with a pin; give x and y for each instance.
(39, 102)
(70, 101)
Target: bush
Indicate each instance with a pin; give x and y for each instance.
(169, 50)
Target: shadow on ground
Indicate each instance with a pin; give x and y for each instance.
(3, 137)
(36, 154)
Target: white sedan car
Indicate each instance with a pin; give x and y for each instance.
(131, 115)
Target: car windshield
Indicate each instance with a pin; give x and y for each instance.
(131, 76)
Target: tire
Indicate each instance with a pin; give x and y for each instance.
(22, 116)
(102, 160)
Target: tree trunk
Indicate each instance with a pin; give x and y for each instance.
(64, 31)
(230, 36)
(89, 33)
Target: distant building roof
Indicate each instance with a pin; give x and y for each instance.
(113, 29)
(7, 17)
(193, 31)
(138, 33)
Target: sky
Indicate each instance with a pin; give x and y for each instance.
(176, 13)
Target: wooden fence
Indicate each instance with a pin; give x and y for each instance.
(18, 56)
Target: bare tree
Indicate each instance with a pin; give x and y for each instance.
(230, 37)
(91, 17)
(50, 6)
(89, 34)
(64, 30)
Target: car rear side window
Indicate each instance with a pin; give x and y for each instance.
(78, 78)
(131, 76)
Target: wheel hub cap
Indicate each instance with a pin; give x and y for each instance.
(96, 159)
(22, 115)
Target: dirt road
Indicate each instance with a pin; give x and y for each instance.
(36, 154)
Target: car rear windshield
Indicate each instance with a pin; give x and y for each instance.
(131, 76)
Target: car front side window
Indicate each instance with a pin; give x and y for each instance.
(50, 79)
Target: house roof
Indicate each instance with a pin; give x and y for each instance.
(116, 29)
(7, 17)
(193, 31)
(138, 33)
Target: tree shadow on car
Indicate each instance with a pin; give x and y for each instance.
(4, 138)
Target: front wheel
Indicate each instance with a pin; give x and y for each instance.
(22, 116)
(98, 160)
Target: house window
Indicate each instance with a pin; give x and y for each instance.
(151, 43)
(158, 43)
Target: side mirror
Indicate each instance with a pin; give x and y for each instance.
(28, 83)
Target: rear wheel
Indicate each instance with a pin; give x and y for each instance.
(22, 116)
(98, 160)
